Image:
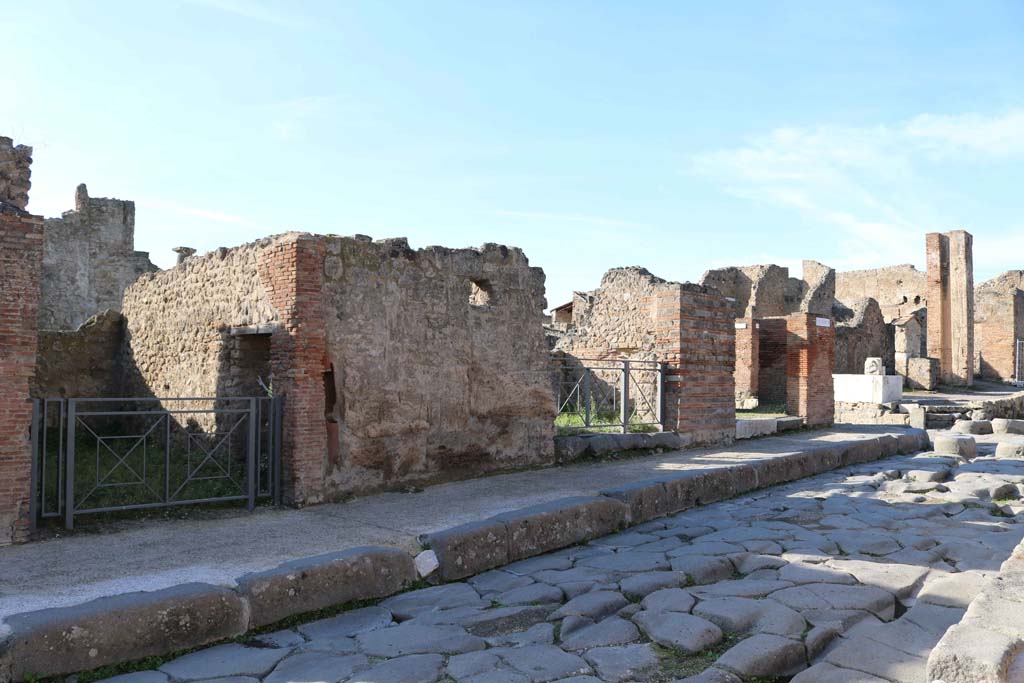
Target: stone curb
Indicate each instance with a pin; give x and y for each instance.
(126, 627)
(981, 647)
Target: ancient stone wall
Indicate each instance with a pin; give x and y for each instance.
(397, 365)
(998, 324)
(15, 173)
(697, 342)
(83, 362)
(861, 333)
(899, 290)
(440, 366)
(951, 305)
(89, 259)
(759, 291)
(21, 249)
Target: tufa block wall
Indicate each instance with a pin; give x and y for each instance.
(15, 173)
(80, 363)
(697, 341)
(89, 259)
(21, 249)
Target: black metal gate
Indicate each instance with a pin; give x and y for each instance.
(105, 454)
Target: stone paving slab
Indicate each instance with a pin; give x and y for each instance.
(152, 554)
(877, 625)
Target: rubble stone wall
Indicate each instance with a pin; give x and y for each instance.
(862, 333)
(21, 250)
(89, 259)
(759, 291)
(15, 173)
(81, 363)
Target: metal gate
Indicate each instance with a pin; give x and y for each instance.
(106, 454)
(609, 394)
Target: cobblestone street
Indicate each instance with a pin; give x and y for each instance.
(856, 574)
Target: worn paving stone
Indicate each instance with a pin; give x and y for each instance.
(534, 594)
(623, 663)
(703, 569)
(828, 673)
(543, 663)
(594, 605)
(679, 630)
(669, 600)
(627, 562)
(763, 655)
(317, 666)
(643, 584)
(899, 579)
(410, 669)
(448, 596)
(608, 631)
(883, 661)
(138, 677)
(411, 639)
(498, 581)
(225, 660)
(348, 624)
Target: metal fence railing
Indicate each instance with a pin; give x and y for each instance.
(618, 395)
(107, 454)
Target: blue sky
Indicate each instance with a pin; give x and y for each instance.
(674, 135)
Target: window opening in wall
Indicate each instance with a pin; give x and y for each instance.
(481, 293)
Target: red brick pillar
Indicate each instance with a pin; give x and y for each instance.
(810, 355)
(747, 359)
(696, 340)
(21, 257)
(292, 271)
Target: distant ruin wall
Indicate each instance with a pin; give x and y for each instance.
(89, 259)
(81, 363)
(899, 290)
(15, 173)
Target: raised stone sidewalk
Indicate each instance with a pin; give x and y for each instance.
(212, 579)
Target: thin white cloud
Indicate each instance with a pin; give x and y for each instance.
(871, 186)
(198, 212)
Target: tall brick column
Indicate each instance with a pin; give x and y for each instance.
(696, 339)
(292, 272)
(21, 257)
(951, 305)
(810, 357)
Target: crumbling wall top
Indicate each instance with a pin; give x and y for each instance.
(15, 173)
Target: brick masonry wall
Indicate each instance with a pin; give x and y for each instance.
(697, 340)
(747, 359)
(809, 363)
(771, 381)
(21, 248)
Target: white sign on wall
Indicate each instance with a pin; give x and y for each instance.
(823, 322)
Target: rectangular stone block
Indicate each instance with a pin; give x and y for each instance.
(645, 499)
(561, 523)
(863, 450)
(321, 581)
(469, 549)
(120, 628)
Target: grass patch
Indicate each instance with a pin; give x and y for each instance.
(600, 423)
(676, 664)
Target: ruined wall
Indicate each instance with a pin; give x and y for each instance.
(697, 341)
(899, 290)
(759, 291)
(861, 333)
(89, 259)
(814, 292)
(440, 366)
(397, 365)
(21, 247)
(83, 362)
(998, 324)
(771, 381)
(951, 305)
(15, 173)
